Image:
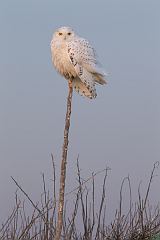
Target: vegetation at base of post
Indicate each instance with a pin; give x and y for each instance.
(88, 218)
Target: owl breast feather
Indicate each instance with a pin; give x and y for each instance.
(62, 62)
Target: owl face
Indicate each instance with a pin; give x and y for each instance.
(64, 34)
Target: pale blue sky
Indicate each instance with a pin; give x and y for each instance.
(121, 128)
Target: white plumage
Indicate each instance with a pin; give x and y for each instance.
(75, 59)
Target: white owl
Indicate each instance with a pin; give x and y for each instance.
(75, 59)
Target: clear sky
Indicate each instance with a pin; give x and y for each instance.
(120, 129)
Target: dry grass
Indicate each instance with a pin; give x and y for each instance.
(85, 221)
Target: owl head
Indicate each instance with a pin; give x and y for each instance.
(64, 34)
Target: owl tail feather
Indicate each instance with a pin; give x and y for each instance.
(82, 89)
(99, 78)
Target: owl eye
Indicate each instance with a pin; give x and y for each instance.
(59, 33)
(69, 33)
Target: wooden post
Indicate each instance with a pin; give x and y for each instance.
(63, 164)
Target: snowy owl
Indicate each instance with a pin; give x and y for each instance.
(75, 59)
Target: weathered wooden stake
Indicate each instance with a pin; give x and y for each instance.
(63, 163)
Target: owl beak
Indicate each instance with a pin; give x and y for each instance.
(64, 38)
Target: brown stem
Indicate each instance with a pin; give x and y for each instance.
(63, 163)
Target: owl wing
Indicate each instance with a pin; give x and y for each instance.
(83, 53)
(82, 56)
